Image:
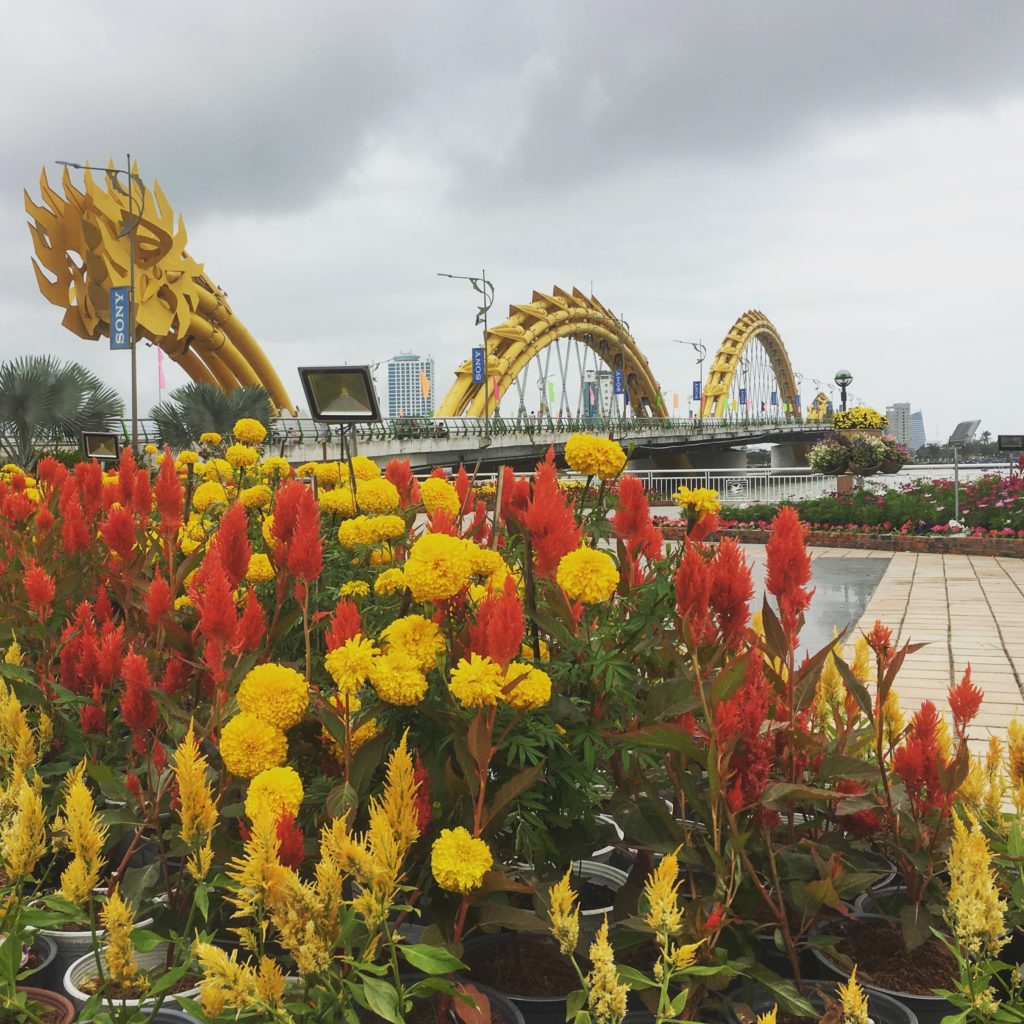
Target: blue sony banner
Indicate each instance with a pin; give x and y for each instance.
(775, 398)
(743, 397)
(617, 382)
(797, 401)
(478, 366)
(696, 390)
(119, 318)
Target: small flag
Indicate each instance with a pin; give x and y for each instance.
(497, 389)
(593, 396)
(675, 401)
(161, 380)
(696, 390)
(551, 390)
(424, 385)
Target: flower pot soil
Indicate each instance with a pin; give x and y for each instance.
(50, 1007)
(113, 992)
(521, 966)
(745, 1007)
(876, 946)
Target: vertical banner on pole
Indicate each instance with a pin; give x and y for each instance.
(618, 382)
(478, 366)
(743, 398)
(119, 318)
(696, 390)
(775, 398)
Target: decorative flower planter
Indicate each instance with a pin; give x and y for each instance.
(167, 1015)
(882, 1009)
(45, 974)
(865, 470)
(85, 968)
(53, 1002)
(927, 1009)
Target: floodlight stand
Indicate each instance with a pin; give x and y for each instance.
(347, 450)
(956, 482)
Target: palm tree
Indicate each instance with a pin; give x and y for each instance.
(47, 403)
(196, 408)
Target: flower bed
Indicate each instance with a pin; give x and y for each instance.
(308, 719)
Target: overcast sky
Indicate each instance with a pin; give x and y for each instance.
(853, 169)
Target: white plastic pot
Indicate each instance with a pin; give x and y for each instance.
(603, 874)
(72, 946)
(86, 967)
(604, 854)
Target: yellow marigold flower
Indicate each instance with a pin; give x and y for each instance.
(13, 655)
(328, 474)
(437, 494)
(416, 637)
(337, 502)
(974, 910)
(769, 1017)
(387, 527)
(489, 564)
(267, 530)
(248, 746)
(116, 917)
(260, 569)
(700, 501)
(218, 470)
(197, 808)
(356, 532)
(476, 682)
(350, 664)
(1015, 751)
(274, 791)
(661, 890)
(364, 468)
(151, 449)
(84, 835)
(381, 556)
(23, 839)
(398, 679)
(526, 651)
(276, 467)
(275, 694)
(354, 588)
(606, 995)
(377, 496)
(458, 861)
(210, 437)
(209, 493)
(391, 581)
(595, 456)
(257, 496)
(565, 915)
(526, 687)
(438, 567)
(187, 457)
(587, 575)
(852, 1001)
(249, 431)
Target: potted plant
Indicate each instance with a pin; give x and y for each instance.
(859, 419)
(866, 455)
(895, 457)
(829, 456)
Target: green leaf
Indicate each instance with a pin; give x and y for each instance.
(382, 999)
(166, 980)
(574, 1003)
(855, 686)
(783, 990)
(431, 959)
(633, 978)
(842, 766)
(509, 790)
(728, 681)
(202, 899)
(917, 922)
(778, 793)
(144, 940)
(495, 914)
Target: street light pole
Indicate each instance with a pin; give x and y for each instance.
(702, 351)
(486, 289)
(128, 228)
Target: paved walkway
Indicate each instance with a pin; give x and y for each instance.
(967, 609)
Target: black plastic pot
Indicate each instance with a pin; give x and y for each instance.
(47, 973)
(927, 1009)
(882, 1009)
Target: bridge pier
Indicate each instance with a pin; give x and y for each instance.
(791, 455)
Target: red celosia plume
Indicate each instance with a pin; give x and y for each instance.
(499, 627)
(789, 567)
(550, 519)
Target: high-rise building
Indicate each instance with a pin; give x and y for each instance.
(410, 386)
(598, 393)
(898, 415)
(917, 438)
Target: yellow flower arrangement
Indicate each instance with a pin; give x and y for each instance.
(975, 912)
(357, 532)
(211, 437)
(219, 470)
(273, 791)
(565, 915)
(852, 1001)
(526, 687)
(257, 496)
(327, 474)
(699, 501)
(664, 916)
(187, 457)
(390, 581)
(354, 588)
(437, 494)
(606, 995)
(587, 575)
(249, 431)
(337, 502)
(242, 456)
(116, 917)
(860, 417)
(276, 467)
(381, 556)
(197, 809)
(275, 694)
(151, 449)
(248, 746)
(349, 665)
(207, 494)
(595, 456)
(364, 468)
(267, 531)
(417, 638)
(377, 496)
(458, 861)
(398, 679)
(438, 567)
(1015, 752)
(84, 835)
(23, 839)
(476, 682)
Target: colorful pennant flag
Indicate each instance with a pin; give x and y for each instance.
(424, 385)
(161, 380)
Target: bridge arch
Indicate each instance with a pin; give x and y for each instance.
(752, 327)
(532, 327)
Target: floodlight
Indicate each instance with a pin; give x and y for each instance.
(963, 433)
(1011, 442)
(340, 394)
(101, 447)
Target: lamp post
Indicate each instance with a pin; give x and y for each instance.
(486, 289)
(127, 228)
(844, 379)
(701, 350)
(799, 393)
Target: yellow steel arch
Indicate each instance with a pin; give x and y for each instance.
(530, 328)
(77, 242)
(818, 410)
(752, 326)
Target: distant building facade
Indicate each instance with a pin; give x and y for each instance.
(409, 377)
(598, 393)
(917, 439)
(898, 415)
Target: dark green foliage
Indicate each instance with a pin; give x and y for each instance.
(196, 408)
